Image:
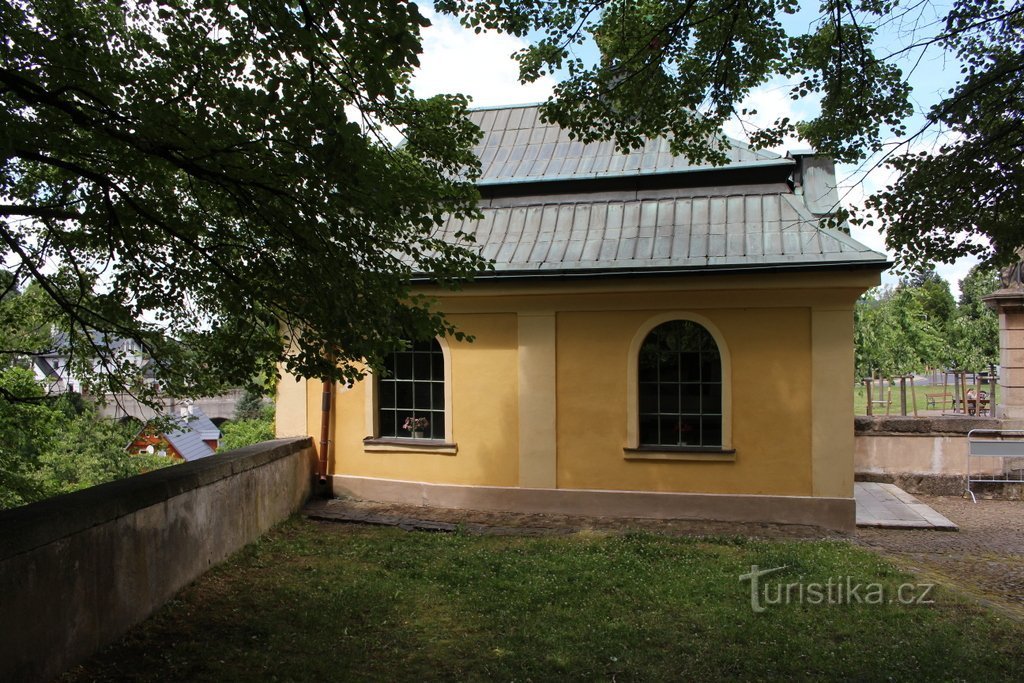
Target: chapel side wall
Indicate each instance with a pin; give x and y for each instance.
(789, 346)
(484, 420)
(770, 351)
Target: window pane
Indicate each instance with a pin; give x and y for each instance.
(387, 393)
(711, 367)
(690, 403)
(421, 366)
(437, 395)
(668, 367)
(689, 367)
(403, 365)
(400, 417)
(648, 429)
(437, 424)
(647, 365)
(648, 397)
(689, 431)
(421, 393)
(668, 398)
(437, 366)
(669, 426)
(403, 395)
(712, 431)
(386, 423)
(711, 398)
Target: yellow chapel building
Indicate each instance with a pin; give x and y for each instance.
(657, 339)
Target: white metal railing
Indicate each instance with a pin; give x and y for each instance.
(1007, 444)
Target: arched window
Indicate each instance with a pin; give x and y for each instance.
(679, 371)
(411, 396)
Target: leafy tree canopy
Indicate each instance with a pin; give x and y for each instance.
(683, 68)
(210, 178)
(54, 445)
(917, 325)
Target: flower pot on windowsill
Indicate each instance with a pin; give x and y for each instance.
(417, 435)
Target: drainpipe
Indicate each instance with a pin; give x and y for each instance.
(325, 430)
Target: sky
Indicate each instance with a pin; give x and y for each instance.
(455, 59)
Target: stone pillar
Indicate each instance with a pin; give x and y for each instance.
(1008, 302)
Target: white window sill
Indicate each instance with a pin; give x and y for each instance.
(400, 445)
(680, 453)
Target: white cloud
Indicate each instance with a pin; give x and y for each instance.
(457, 60)
(764, 106)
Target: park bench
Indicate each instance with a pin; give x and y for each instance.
(1007, 444)
(934, 400)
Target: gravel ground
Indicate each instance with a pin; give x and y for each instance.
(985, 559)
(475, 521)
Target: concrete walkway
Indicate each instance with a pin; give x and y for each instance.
(890, 507)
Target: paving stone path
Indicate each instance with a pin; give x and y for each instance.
(984, 560)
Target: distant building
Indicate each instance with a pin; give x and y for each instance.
(193, 437)
(53, 369)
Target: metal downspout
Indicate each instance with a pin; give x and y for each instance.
(325, 430)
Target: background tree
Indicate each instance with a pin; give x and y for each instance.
(682, 68)
(974, 333)
(932, 293)
(893, 336)
(250, 406)
(210, 178)
(908, 329)
(52, 445)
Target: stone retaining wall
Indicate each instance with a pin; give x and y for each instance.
(920, 446)
(79, 570)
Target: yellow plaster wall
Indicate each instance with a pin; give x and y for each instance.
(485, 411)
(291, 406)
(771, 404)
(780, 386)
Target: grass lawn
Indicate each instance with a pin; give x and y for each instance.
(860, 399)
(316, 601)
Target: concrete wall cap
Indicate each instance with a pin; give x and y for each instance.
(920, 426)
(31, 526)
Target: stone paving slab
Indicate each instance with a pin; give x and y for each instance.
(890, 507)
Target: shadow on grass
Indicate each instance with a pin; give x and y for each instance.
(322, 601)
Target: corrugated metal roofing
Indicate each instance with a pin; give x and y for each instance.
(673, 233)
(682, 222)
(516, 146)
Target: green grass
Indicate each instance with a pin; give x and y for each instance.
(860, 399)
(332, 602)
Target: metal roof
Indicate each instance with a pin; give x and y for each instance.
(198, 421)
(189, 444)
(556, 207)
(517, 147)
(584, 234)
